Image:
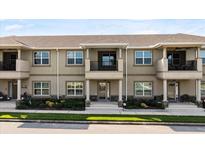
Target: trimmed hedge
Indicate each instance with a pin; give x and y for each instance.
(145, 103)
(187, 98)
(51, 104)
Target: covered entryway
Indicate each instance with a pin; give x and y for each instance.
(173, 91)
(103, 90)
(12, 89)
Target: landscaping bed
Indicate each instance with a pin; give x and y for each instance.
(144, 103)
(51, 104)
(103, 117)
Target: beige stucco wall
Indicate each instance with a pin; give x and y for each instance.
(157, 84)
(4, 86)
(187, 87)
(142, 69)
(77, 73)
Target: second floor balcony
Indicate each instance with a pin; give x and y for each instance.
(190, 69)
(103, 65)
(104, 70)
(14, 69)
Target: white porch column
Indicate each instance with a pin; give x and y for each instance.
(87, 90)
(19, 53)
(19, 89)
(87, 54)
(120, 53)
(164, 52)
(120, 91)
(198, 90)
(165, 90)
(197, 52)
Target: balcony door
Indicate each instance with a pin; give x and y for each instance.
(176, 59)
(9, 60)
(107, 60)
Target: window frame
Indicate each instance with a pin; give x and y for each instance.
(41, 58)
(143, 91)
(202, 82)
(74, 89)
(41, 88)
(143, 57)
(202, 50)
(74, 57)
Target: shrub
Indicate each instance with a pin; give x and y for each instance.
(51, 103)
(187, 98)
(145, 103)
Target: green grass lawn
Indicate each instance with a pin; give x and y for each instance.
(95, 117)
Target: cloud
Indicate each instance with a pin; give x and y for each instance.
(13, 27)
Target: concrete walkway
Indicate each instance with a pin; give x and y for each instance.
(102, 108)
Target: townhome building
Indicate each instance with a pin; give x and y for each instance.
(103, 67)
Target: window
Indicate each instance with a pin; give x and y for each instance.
(202, 88)
(143, 88)
(41, 58)
(74, 57)
(202, 55)
(41, 88)
(143, 57)
(75, 88)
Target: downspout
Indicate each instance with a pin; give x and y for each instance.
(57, 72)
(126, 74)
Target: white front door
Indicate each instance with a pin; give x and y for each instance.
(173, 91)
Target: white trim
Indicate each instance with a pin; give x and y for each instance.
(143, 51)
(74, 57)
(41, 57)
(41, 88)
(74, 88)
(143, 93)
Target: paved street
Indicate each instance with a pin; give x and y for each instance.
(51, 128)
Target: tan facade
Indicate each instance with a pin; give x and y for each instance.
(116, 84)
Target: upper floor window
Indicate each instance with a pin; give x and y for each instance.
(202, 56)
(41, 88)
(143, 57)
(143, 88)
(41, 58)
(74, 57)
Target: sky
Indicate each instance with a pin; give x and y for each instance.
(100, 26)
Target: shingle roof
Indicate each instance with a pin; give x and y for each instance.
(75, 40)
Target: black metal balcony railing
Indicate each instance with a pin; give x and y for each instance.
(8, 65)
(190, 65)
(103, 65)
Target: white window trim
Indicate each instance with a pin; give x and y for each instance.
(74, 88)
(143, 93)
(74, 57)
(143, 51)
(41, 88)
(201, 88)
(41, 57)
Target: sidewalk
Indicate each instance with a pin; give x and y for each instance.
(174, 109)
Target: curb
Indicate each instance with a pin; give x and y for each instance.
(103, 122)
